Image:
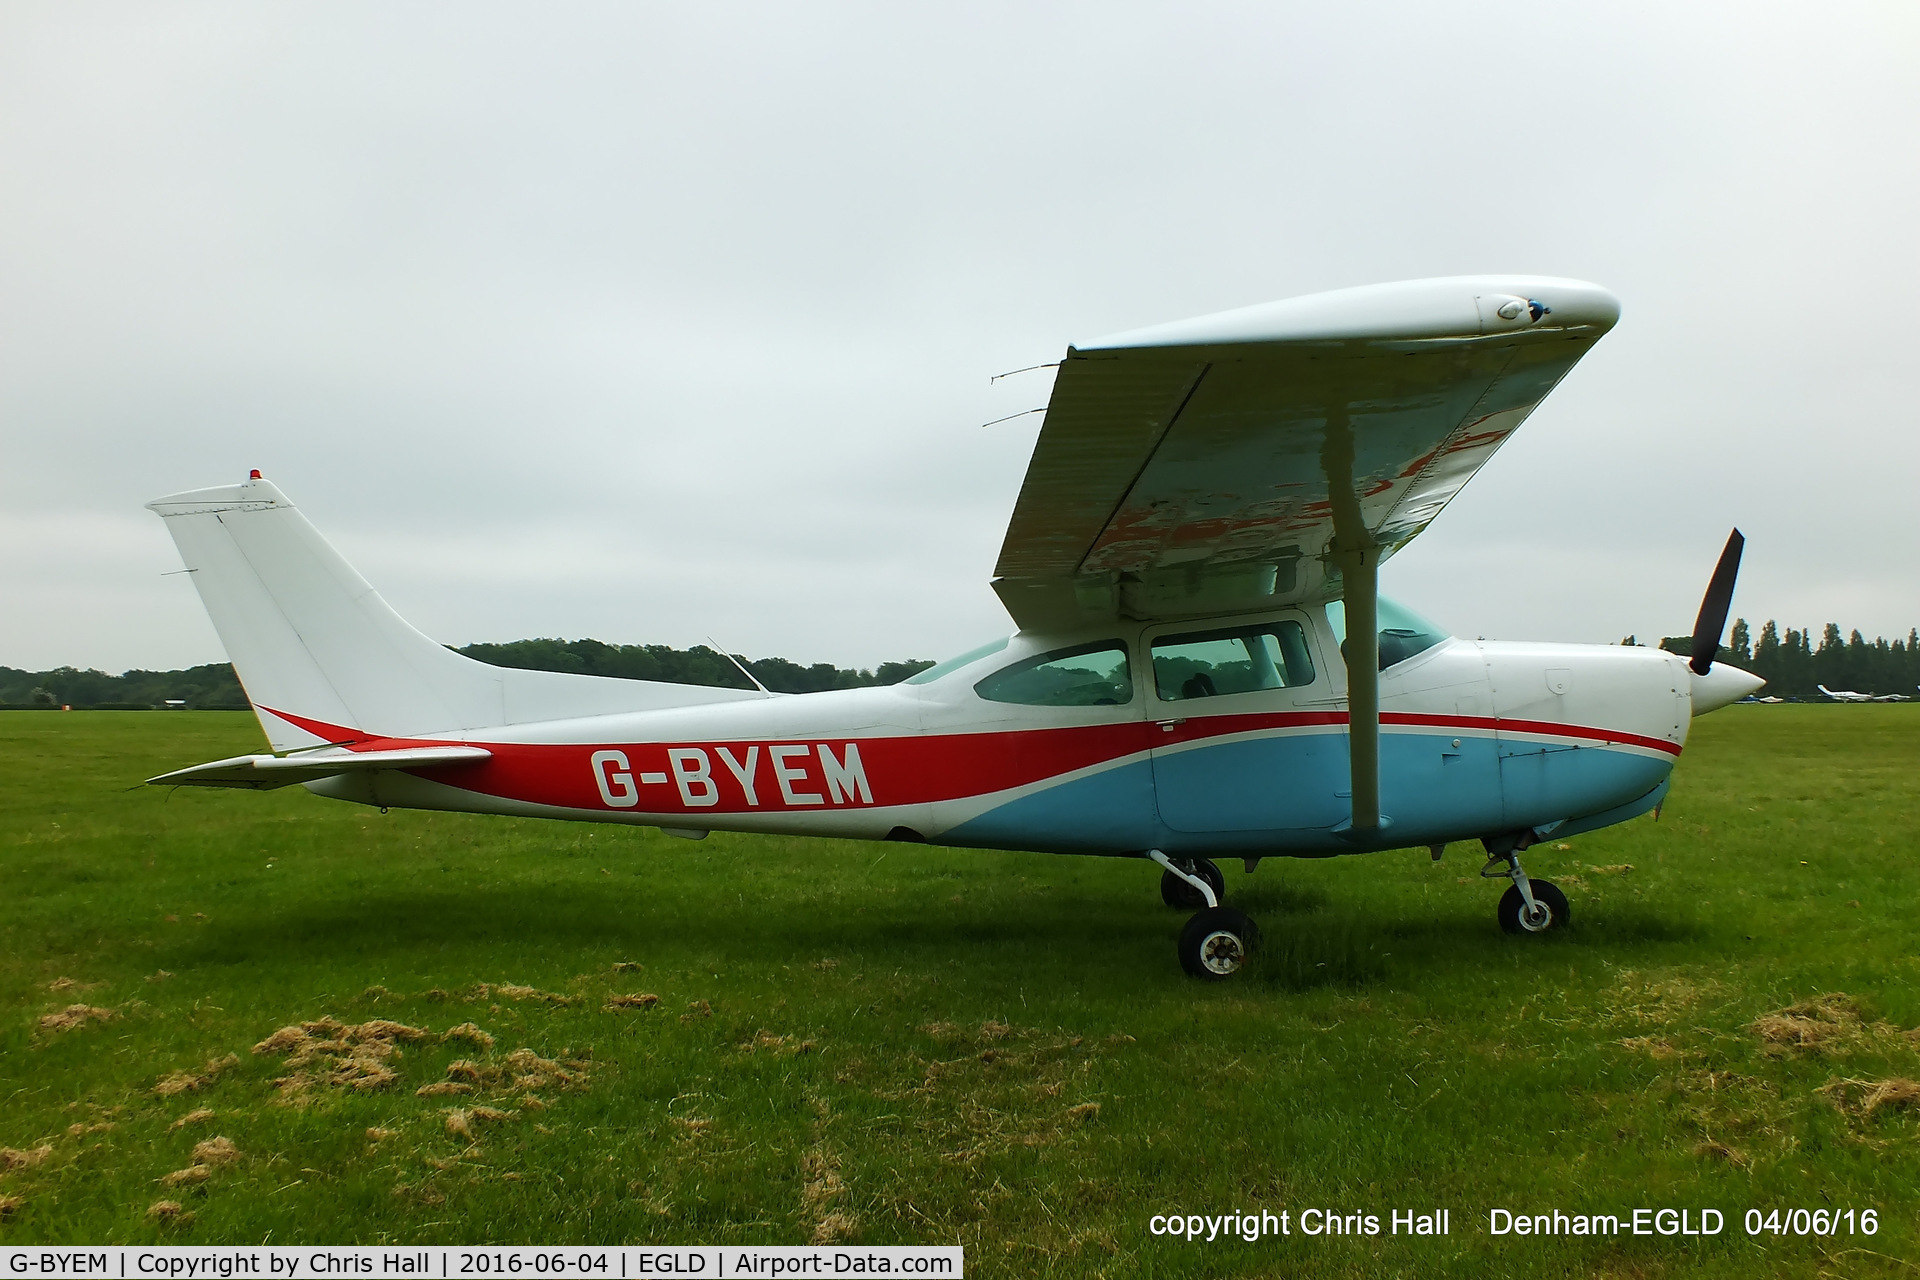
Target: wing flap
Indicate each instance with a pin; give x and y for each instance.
(264, 772)
(1105, 419)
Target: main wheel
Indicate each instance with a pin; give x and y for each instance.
(1177, 893)
(1217, 943)
(1549, 902)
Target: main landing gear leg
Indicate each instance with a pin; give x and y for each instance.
(1180, 883)
(1218, 941)
(1528, 905)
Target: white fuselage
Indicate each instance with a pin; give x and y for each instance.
(1478, 738)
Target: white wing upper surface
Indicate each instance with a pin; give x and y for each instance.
(1191, 468)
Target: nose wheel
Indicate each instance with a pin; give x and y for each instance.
(1528, 905)
(1548, 912)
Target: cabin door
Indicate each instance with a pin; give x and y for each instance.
(1243, 735)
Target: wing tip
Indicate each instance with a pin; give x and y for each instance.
(251, 494)
(1442, 307)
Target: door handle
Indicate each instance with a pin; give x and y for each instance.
(1166, 726)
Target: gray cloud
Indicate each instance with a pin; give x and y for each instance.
(650, 323)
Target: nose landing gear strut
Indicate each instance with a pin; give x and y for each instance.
(1528, 905)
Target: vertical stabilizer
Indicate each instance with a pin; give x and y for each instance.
(307, 634)
(312, 641)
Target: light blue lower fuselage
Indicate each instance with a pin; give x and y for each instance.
(1286, 796)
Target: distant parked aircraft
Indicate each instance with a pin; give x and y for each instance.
(1848, 695)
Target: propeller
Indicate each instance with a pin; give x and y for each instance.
(1712, 622)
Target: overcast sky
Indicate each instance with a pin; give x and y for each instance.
(658, 322)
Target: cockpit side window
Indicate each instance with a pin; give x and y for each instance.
(1088, 675)
(1403, 633)
(1243, 659)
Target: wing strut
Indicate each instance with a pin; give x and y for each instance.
(1356, 555)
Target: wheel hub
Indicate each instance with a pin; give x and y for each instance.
(1536, 919)
(1222, 953)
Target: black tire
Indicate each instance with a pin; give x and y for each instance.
(1218, 943)
(1177, 893)
(1545, 894)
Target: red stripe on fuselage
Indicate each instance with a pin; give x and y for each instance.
(338, 735)
(909, 769)
(915, 769)
(1200, 728)
(1615, 737)
(902, 770)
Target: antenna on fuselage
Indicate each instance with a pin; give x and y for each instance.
(1010, 417)
(741, 667)
(1051, 364)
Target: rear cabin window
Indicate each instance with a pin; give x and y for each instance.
(1090, 675)
(1245, 659)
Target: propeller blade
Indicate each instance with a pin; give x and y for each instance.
(1712, 622)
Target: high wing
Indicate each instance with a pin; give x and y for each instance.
(1209, 465)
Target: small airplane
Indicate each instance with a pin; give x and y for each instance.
(1848, 695)
(1203, 666)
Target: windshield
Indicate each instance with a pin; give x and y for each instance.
(1403, 633)
(952, 665)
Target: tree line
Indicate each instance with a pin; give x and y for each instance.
(1793, 666)
(1790, 663)
(698, 665)
(214, 687)
(211, 687)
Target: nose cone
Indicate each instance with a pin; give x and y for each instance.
(1722, 684)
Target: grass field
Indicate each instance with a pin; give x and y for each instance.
(898, 1044)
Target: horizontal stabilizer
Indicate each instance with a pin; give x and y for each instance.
(264, 773)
